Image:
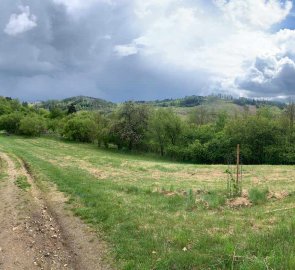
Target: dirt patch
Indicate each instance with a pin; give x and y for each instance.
(239, 202)
(278, 195)
(38, 233)
(244, 200)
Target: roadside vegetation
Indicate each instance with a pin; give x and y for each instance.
(157, 214)
(22, 182)
(2, 169)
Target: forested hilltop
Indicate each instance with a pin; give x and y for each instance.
(91, 103)
(80, 103)
(193, 129)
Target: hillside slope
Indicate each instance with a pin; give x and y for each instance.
(183, 106)
(80, 103)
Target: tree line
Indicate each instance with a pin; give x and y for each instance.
(266, 137)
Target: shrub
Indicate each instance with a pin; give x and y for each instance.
(10, 122)
(32, 125)
(80, 128)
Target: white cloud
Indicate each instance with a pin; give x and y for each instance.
(272, 74)
(255, 13)
(224, 42)
(126, 50)
(269, 77)
(20, 23)
(178, 47)
(75, 6)
(285, 40)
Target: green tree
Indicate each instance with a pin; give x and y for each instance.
(72, 109)
(32, 125)
(131, 124)
(80, 127)
(5, 106)
(157, 129)
(290, 112)
(173, 127)
(221, 120)
(56, 112)
(11, 122)
(255, 134)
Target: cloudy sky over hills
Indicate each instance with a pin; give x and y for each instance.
(146, 49)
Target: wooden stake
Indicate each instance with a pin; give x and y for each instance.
(238, 164)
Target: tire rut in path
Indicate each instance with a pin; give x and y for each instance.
(38, 233)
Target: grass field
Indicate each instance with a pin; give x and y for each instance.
(157, 214)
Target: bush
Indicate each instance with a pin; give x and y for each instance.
(32, 125)
(80, 128)
(197, 152)
(257, 196)
(10, 122)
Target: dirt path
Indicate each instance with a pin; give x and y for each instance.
(38, 233)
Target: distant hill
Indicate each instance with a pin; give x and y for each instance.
(80, 103)
(193, 101)
(189, 101)
(183, 106)
(213, 104)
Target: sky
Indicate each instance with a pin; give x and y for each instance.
(146, 49)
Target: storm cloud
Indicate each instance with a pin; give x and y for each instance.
(135, 49)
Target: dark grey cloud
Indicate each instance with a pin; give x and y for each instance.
(48, 51)
(67, 55)
(270, 77)
(62, 55)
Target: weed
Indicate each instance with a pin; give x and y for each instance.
(214, 199)
(190, 200)
(131, 189)
(22, 182)
(257, 196)
(171, 189)
(2, 169)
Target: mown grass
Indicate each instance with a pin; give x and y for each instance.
(163, 215)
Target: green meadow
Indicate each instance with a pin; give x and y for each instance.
(158, 214)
